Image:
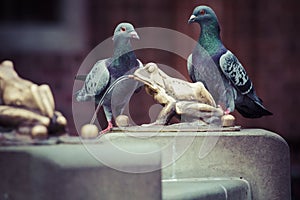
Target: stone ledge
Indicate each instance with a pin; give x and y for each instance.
(207, 189)
(70, 172)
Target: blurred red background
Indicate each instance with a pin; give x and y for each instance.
(48, 41)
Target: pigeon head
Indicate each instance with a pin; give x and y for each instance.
(125, 31)
(203, 15)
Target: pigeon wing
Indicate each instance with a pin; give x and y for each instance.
(97, 79)
(190, 66)
(203, 68)
(80, 77)
(235, 72)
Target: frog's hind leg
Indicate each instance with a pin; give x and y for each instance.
(194, 110)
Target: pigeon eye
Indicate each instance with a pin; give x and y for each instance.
(202, 12)
(123, 29)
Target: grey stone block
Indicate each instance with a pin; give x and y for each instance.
(77, 172)
(258, 156)
(206, 189)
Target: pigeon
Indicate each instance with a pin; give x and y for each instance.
(107, 72)
(220, 70)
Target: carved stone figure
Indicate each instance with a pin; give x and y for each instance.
(27, 107)
(191, 101)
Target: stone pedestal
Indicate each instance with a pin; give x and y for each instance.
(233, 165)
(255, 155)
(64, 172)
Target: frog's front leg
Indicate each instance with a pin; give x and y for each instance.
(160, 95)
(166, 114)
(169, 103)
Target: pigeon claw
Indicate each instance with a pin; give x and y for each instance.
(108, 128)
(227, 111)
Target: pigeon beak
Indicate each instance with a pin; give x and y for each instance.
(192, 19)
(133, 34)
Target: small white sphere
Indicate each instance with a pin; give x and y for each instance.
(228, 120)
(89, 131)
(122, 121)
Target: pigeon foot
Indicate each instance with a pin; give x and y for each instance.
(108, 128)
(227, 111)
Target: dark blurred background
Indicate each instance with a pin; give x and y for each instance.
(48, 40)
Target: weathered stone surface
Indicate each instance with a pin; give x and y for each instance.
(258, 156)
(74, 172)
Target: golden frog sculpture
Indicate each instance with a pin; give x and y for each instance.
(27, 107)
(191, 101)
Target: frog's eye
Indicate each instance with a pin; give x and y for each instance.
(151, 68)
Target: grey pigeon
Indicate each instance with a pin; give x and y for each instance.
(105, 72)
(220, 70)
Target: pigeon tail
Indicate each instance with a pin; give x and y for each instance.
(251, 109)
